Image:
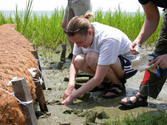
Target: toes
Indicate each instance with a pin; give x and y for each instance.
(124, 100)
(109, 94)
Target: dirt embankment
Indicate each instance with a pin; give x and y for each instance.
(15, 60)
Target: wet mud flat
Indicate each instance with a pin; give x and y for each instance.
(91, 108)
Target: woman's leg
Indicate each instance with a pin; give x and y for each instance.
(115, 72)
(81, 64)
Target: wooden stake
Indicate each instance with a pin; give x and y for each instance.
(40, 95)
(36, 56)
(22, 93)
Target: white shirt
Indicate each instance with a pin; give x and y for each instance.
(109, 43)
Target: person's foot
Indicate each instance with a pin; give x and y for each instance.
(134, 101)
(114, 91)
(70, 56)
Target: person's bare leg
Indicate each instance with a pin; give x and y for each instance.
(81, 64)
(115, 72)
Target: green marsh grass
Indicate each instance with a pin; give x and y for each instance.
(158, 117)
(46, 30)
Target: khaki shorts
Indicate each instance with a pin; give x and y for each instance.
(78, 8)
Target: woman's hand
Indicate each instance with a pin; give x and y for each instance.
(69, 100)
(68, 91)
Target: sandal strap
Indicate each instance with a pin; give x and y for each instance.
(121, 87)
(113, 91)
(116, 89)
(144, 98)
(106, 85)
(128, 99)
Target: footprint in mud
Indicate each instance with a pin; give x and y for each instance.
(89, 114)
(79, 113)
(91, 117)
(103, 115)
(51, 102)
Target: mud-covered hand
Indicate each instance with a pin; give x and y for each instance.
(68, 91)
(69, 100)
(160, 61)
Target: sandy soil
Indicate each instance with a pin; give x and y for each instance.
(90, 108)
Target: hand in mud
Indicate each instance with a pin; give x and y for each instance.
(68, 92)
(68, 100)
(160, 61)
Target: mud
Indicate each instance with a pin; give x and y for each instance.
(91, 108)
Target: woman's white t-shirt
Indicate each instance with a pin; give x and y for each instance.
(109, 43)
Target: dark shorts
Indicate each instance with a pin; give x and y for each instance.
(126, 66)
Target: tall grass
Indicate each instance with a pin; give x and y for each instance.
(46, 30)
(158, 117)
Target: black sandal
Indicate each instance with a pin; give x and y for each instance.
(117, 91)
(140, 102)
(104, 86)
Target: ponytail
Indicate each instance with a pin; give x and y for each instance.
(79, 24)
(88, 15)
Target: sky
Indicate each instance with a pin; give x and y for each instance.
(50, 5)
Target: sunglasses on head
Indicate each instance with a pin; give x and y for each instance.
(72, 33)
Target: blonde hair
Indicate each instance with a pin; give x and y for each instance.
(79, 24)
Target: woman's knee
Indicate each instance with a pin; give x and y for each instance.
(117, 69)
(92, 58)
(79, 61)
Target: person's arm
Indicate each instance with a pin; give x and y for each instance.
(149, 26)
(72, 76)
(92, 83)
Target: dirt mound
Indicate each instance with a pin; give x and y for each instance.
(15, 60)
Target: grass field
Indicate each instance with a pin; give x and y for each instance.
(46, 30)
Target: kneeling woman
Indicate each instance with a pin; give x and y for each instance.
(101, 51)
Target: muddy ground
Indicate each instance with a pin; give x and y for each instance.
(90, 108)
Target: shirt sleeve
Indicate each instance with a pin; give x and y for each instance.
(143, 1)
(109, 51)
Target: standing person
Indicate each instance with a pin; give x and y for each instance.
(151, 84)
(75, 8)
(101, 51)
